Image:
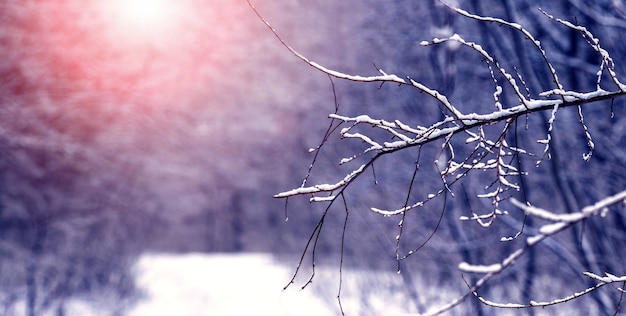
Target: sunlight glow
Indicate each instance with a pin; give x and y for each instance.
(148, 53)
(143, 20)
(145, 13)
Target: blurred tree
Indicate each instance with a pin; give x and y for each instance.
(73, 211)
(114, 144)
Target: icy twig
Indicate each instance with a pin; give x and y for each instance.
(546, 142)
(437, 96)
(519, 28)
(490, 59)
(590, 143)
(602, 281)
(563, 221)
(323, 187)
(607, 62)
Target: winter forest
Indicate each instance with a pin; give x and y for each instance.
(397, 157)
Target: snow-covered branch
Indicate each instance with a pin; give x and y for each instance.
(408, 136)
(486, 147)
(405, 135)
(560, 223)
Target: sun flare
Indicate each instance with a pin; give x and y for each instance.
(144, 13)
(147, 51)
(142, 20)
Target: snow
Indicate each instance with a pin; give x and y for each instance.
(550, 229)
(205, 284)
(223, 284)
(466, 267)
(610, 278)
(252, 284)
(323, 187)
(322, 198)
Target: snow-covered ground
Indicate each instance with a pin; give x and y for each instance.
(252, 284)
(199, 284)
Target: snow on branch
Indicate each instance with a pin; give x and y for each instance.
(602, 281)
(512, 82)
(323, 187)
(607, 62)
(405, 135)
(520, 29)
(412, 136)
(560, 223)
(408, 136)
(337, 74)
